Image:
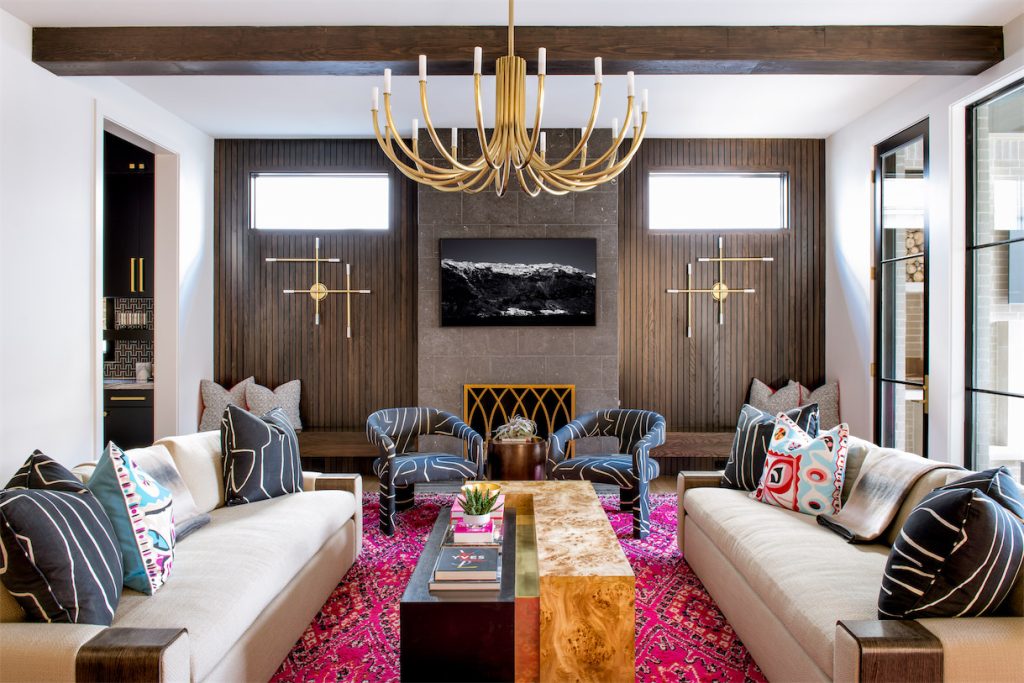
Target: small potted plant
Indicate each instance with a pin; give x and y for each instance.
(478, 501)
(517, 430)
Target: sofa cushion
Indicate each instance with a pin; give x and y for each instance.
(226, 573)
(156, 461)
(996, 483)
(198, 459)
(750, 444)
(261, 456)
(58, 553)
(803, 472)
(808, 576)
(958, 555)
(141, 512)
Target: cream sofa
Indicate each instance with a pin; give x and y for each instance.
(243, 588)
(785, 584)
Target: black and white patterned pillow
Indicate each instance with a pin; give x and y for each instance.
(998, 484)
(750, 445)
(959, 554)
(261, 456)
(59, 556)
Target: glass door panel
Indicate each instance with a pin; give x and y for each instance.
(901, 294)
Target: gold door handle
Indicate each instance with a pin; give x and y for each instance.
(131, 278)
(127, 398)
(142, 276)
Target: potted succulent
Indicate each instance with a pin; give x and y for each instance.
(517, 430)
(478, 502)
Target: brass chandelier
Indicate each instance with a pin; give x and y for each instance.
(511, 147)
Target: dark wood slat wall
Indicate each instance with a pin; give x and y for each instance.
(700, 383)
(262, 332)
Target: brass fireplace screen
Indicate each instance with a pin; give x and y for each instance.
(488, 406)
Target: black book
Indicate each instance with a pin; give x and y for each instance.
(466, 563)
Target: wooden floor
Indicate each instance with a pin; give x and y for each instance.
(659, 485)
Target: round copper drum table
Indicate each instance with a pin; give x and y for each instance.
(516, 461)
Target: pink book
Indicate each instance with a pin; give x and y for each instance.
(496, 513)
(463, 533)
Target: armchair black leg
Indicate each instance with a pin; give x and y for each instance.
(387, 509)
(627, 498)
(641, 512)
(405, 496)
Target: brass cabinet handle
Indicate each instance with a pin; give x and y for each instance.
(142, 276)
(131, 278)
(127, 398)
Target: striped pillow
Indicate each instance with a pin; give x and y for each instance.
(958, 555)
(754, 430)
(59, 557)
(261, 456)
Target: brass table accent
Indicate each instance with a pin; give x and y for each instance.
(318, 291)
(719, 291)
(516, 461)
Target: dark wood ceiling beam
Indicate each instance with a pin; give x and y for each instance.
(365, 50)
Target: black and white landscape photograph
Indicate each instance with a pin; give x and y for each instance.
(518, 282)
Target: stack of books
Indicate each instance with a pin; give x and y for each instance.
(470, 556)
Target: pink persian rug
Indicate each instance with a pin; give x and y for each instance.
(680, 633)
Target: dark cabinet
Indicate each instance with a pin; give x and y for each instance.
(128, 417)
(128, 219)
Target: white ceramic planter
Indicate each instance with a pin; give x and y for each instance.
(476, 520)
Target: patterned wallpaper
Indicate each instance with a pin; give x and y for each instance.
(130, 314)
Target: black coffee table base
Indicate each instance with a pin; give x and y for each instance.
(459, 636)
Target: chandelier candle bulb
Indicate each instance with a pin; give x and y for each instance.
(597, 70)
(455, 138)
(643, 99)
(423, 67)
(542, 61)
(478, 59)
(630, 84)
(615, 128)
(543, 142)
(415, 129)
(376, 99)
(387, 81)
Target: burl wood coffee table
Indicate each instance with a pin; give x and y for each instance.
(572, 617)
(575, 618)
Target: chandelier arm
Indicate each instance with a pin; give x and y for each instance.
(535, 137)
(411, 153)
(526, 188)
(616, 143)
(611, 171)
(473, 189)
(433, 133)
(540, 182)
(583, 140)
(415, 174)
(481, 133)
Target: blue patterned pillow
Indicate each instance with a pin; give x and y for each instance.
(141, 512)
(803, 473)
(58, 554)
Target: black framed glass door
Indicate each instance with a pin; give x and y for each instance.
(994, 409)
(901, 291)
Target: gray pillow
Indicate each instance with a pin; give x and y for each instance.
(262, 400)
(764, 398)
(156, 461)
(827, 398)
(216, 398)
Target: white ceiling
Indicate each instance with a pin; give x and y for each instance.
(681, 106)
(481, 12)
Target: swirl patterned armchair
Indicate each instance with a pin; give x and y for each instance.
(393, 431)
(631, 469)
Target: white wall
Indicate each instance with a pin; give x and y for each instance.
(50, 369)
(849, 310)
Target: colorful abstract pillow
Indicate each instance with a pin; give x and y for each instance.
(156, 461)
(754, 430)
(803, 473)
(959, 554)
(763, 397)
(827, 398)
(58, 554)
(141, 512)
(261, 456)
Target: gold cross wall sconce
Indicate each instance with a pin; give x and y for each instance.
(719, 291)
(318, 291)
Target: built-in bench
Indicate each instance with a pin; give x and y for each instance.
(693, 451)
(328, 449)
